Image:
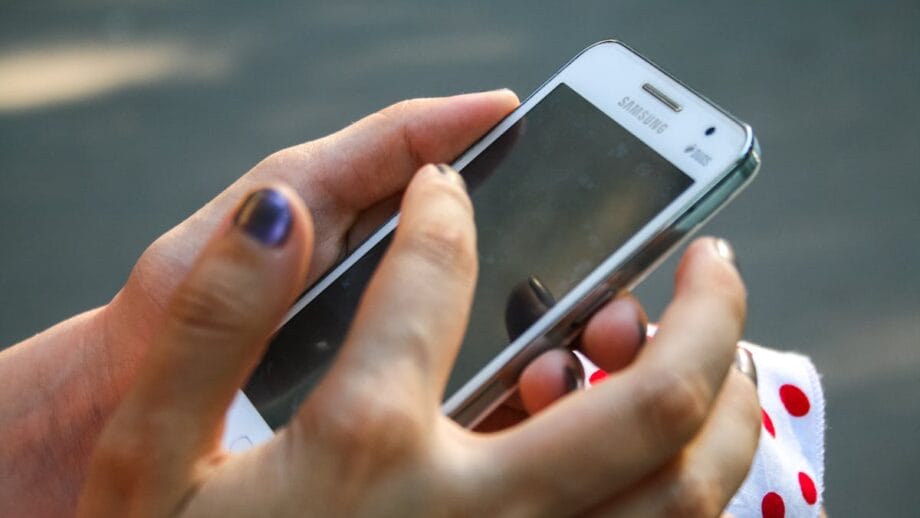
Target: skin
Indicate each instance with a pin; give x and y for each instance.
(202, 300)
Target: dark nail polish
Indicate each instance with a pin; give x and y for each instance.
(574, 374)
(744, 362)
(541, 292)
(527, 302)
(266, 217)
(450, 173)
(643, 331)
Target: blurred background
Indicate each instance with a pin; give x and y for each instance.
(119, 118)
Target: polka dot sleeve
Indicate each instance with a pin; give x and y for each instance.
(787, 476)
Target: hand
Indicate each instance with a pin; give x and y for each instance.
(351, 180)
(672, 433)
(60, 387)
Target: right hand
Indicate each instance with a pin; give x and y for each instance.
(673, 433)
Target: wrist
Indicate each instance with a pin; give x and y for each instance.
(57, 393)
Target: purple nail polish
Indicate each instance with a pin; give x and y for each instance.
(266, 217)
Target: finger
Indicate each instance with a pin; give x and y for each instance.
(526, 303)
(338, 176)
(618, 432)
(413, 314)
(346, 169)
(615, 334)
(367, 162)
(213, 332)
(549, 377)
(611, 340)
(704, 478)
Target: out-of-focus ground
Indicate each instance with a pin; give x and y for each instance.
(117, 119)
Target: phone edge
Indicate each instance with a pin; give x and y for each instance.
(469, 410)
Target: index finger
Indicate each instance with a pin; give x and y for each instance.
(413, 313)
(346, 172)
(349, 171)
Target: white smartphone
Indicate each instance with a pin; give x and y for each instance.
(579, 192)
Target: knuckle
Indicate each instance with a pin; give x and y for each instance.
(399, 119)
(124, 457)
(693, 495)
(281, 159)
(363, 423)
(400, 108)
(214, 302)
(443, 243)
(673, 407)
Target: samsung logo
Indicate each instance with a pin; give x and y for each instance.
(645, 117)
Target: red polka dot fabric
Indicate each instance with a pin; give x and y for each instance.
(795, 401)
(787, 476)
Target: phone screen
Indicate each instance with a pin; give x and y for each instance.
(554, 196)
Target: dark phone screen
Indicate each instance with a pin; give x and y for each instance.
(554, 196)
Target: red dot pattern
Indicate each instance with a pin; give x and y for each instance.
(597, 376)
(797, 404)
(809, 492)
(767, 423)
(795, 401)
(772, 506)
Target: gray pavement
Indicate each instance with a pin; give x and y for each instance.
(189, 97)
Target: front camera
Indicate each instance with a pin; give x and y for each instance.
(710, 130)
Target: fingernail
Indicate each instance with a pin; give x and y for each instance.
(744, 362)
(725, 251)
(543, 294)
(266, 217)
(527, 302)
(643, 331)
(451, 174)
(574, 375)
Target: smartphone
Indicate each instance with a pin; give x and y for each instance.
(578, 194)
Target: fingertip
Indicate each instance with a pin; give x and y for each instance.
(509, 96)
(437, 184)
(485, 107)
(615, 334)
(551, 376)
(713, 250)
(709, 264)
(276, 218)
(451, 175)
(503, 96)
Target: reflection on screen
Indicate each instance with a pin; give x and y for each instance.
(554, 196)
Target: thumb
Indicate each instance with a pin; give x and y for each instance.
(213, 332)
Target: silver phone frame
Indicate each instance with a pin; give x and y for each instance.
(559, 327)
